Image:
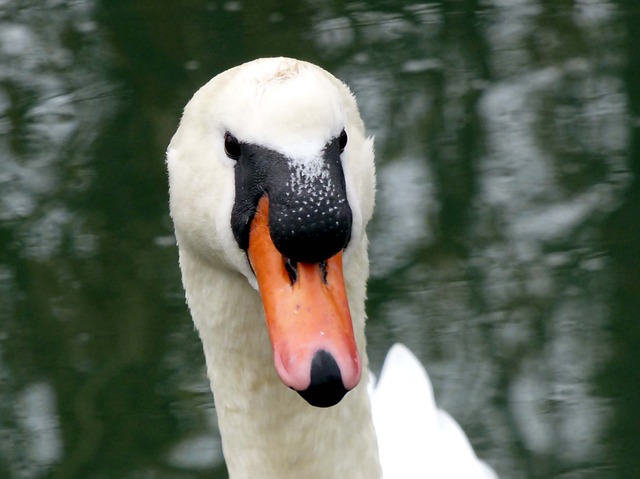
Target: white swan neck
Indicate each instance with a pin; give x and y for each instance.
(269, 431)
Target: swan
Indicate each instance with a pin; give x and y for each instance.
(271, 182)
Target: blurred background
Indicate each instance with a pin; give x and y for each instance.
(505, 247)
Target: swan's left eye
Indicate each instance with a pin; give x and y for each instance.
(342, 140)
(231, 146)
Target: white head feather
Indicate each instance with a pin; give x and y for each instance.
(286, 105)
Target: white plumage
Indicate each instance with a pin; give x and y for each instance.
(432, 443)
(268, 431)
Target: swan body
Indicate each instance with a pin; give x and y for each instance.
(272, 184)
(432, 443)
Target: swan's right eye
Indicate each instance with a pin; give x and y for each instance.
(342, 140)
(231, 146)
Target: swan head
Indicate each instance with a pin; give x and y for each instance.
(271, 177)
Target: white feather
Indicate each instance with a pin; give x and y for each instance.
(416, 439)
(268, 431)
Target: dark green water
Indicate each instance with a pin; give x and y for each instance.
(505, 248)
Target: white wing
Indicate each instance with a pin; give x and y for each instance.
(415, 438)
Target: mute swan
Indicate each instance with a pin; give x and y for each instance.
(272, 183)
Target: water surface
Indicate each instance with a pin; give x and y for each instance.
(505, 247)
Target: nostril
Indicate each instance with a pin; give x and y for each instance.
(323, 271)
(326, 388)
(292, 270)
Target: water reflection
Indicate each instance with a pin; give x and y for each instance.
(52, 107)
(37, 412)
(502, 249)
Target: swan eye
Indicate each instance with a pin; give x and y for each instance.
(342, 140)
(231, 146)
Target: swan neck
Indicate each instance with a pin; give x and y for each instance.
(268, 430)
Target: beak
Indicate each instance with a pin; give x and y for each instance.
(308, 318)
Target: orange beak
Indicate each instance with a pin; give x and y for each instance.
(307, 314)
